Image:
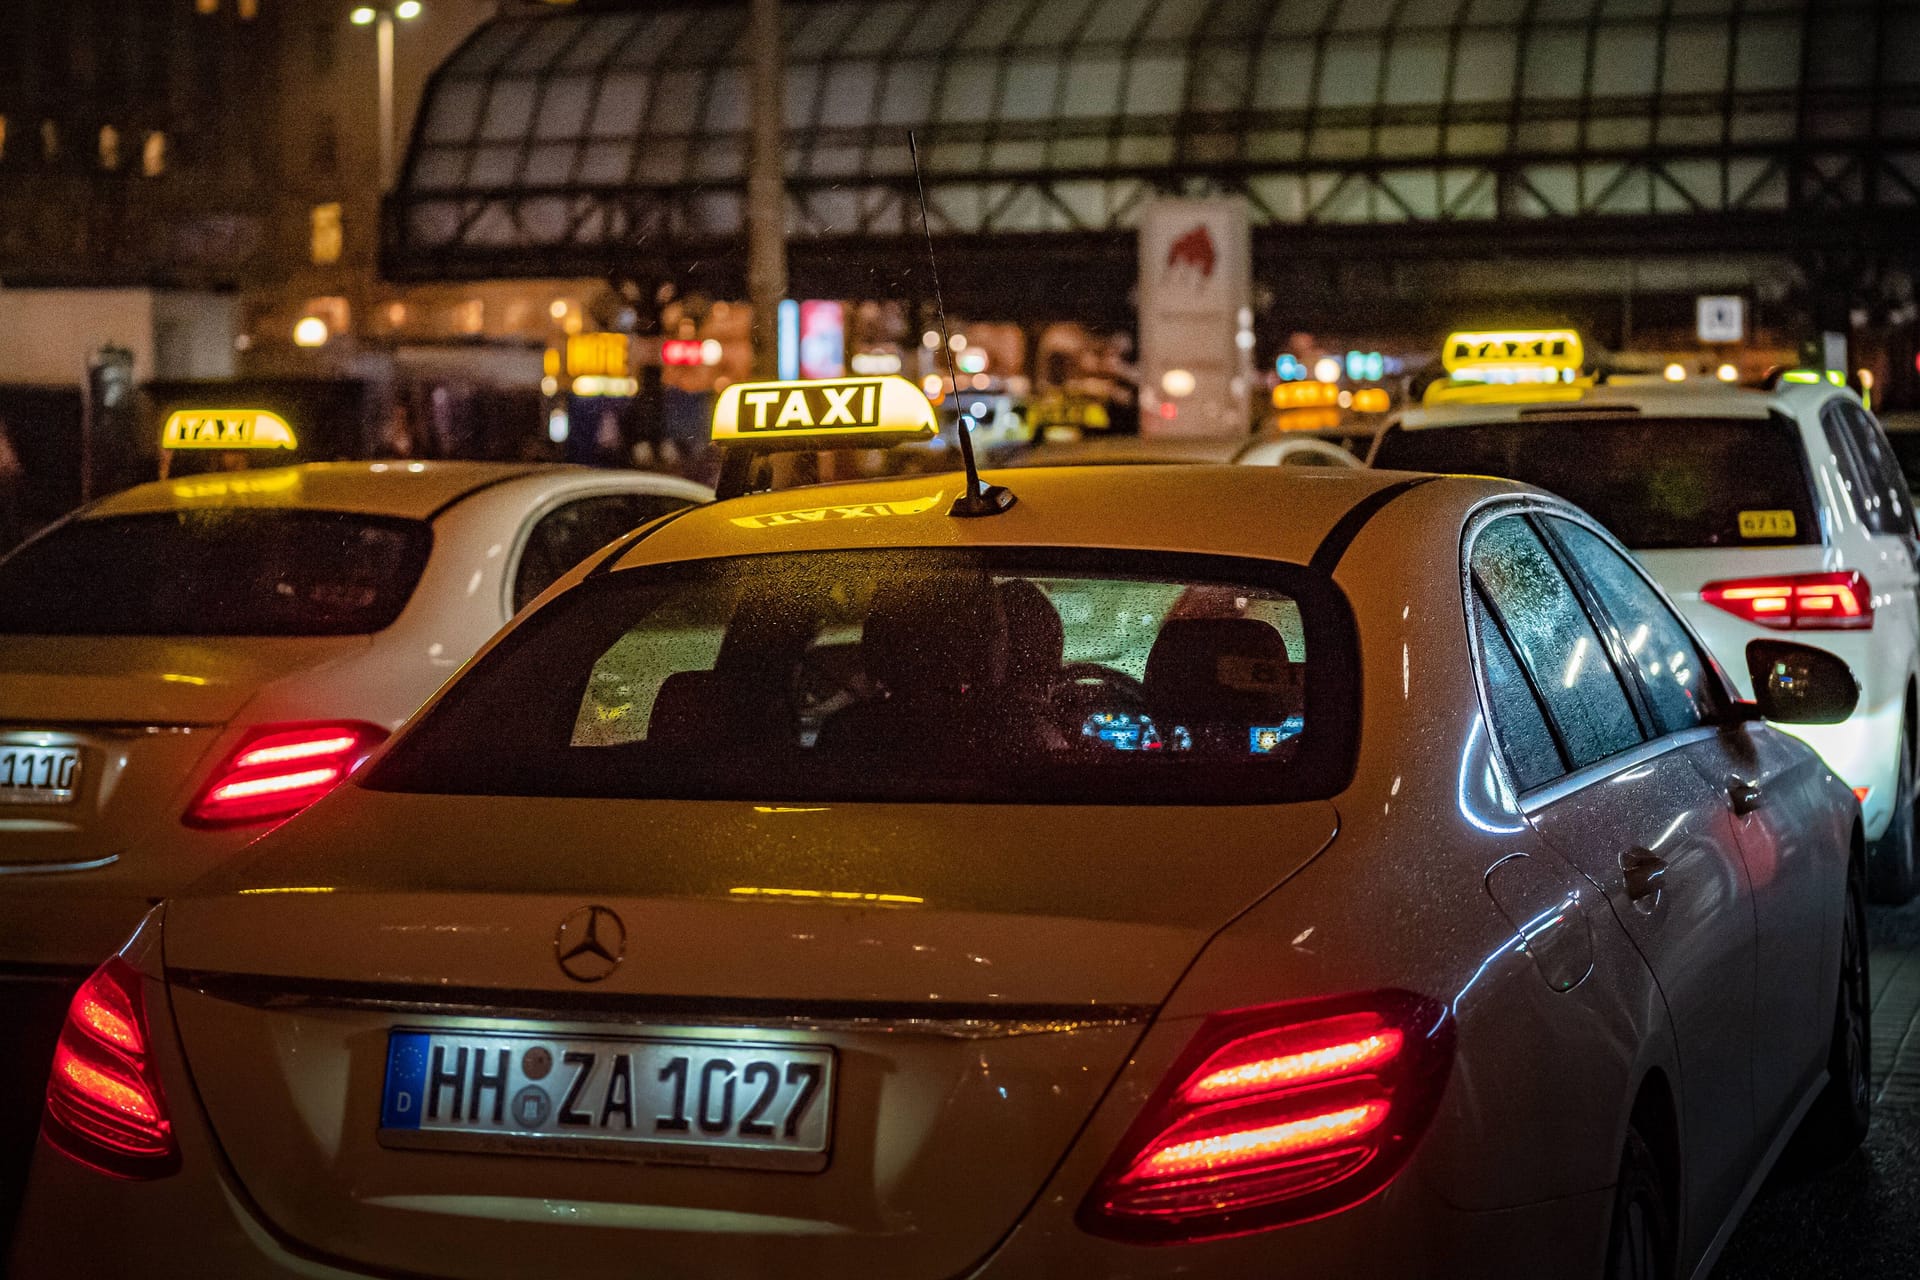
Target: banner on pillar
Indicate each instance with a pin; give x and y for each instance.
(1196, 322)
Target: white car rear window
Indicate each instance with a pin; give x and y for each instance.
(215, 572)
(909, 675)
(1656, 483)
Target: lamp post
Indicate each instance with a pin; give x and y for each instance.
(381, 18)
(766, 185)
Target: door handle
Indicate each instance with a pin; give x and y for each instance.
(1744, 796)
(1645, 875)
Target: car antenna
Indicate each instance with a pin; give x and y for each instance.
(979, 499)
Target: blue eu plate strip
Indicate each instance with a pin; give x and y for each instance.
(406, 1092)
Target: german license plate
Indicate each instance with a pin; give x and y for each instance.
(705, 1102)
(38, 775)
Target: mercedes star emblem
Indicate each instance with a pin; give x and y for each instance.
(591, 943)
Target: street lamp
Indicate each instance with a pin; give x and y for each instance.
(381, 18)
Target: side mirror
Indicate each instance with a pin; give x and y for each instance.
(1799, 684)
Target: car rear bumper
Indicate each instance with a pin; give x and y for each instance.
(1406, 1233)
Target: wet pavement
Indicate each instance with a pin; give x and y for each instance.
(1860, 1220)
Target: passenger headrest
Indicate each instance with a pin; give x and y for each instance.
(1036, 642)
(1222, 669)
(933, 633)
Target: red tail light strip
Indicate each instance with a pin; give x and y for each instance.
(1235, 1146)
(105, 1108)
(1797, 601)
(279, 770)
(1277, 1115)
(1259, 1063)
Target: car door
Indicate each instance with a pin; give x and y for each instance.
(1636, 818)
(1770, 789)
(565, 535)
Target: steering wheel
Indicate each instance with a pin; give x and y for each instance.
(1086, 677)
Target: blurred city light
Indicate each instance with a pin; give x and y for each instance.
(1675, 373)
(407, 10)
(310, 331)
(1178, 382)
(1727, 373)
(1327, 369)
(363, 16)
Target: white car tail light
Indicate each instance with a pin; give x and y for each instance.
(1796, 601)
(1278, 1115)
(279, 770)
(104, 1104)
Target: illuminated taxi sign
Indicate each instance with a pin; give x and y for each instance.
(227, 429)
(1548, 349)
(853, 511)
(280, 483)
(823, 415)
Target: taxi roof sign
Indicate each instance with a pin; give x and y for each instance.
(1559, 349)
(227, 429)
(831, 414)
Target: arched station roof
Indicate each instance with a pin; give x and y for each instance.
(579, 139)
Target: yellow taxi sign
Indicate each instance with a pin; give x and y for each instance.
(828, 414)
(856, 511)
(227, 429)
(1555, 349)
(1447, 391)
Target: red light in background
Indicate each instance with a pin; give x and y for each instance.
(281, 769)
(680, 351)
(1796, 601)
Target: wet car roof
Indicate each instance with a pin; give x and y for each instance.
(413, 490)
(1652, 399)
(1262, 512)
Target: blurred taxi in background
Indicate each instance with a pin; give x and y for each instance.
(1759, 511)
(188, 662)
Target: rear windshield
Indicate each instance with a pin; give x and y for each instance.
(916, 675)
(1656, 483)
(214, 573)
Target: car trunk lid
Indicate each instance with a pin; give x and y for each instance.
(978, 976)
(126, 721)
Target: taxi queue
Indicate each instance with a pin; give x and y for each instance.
(984, 875)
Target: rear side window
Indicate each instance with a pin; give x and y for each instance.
(575, 530)
(1656, 483)
(215, 572)
(1519, 724)
(910, 675)
(1672, 671)
(1555, 641)
(1868, 468)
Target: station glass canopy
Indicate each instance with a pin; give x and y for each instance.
(565, 140)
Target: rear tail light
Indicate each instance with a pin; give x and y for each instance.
(1278, 1115)
(104, 1104)
(1797, 601)
(281, 769)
